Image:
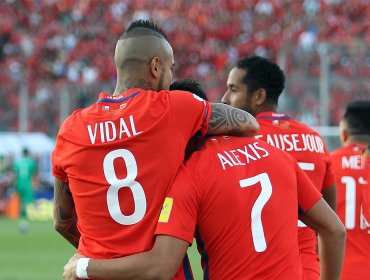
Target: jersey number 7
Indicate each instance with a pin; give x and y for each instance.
(258, 234)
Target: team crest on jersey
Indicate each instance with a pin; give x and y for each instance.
(166, 210)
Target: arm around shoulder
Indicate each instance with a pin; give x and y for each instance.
(229, 120)
(160, 263)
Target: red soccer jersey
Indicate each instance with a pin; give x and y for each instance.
(119, 157)
(243, 197)
(366, 192)
(350, 179)
(309, 149)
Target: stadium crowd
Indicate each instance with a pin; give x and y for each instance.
(50, 46)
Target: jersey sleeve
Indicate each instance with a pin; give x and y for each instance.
(329, 179)
(190, 112)
(179, 212)
(308, 194)
(56, 160)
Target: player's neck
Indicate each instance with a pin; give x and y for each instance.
(132, 82)
(266, 108)
(363, 141)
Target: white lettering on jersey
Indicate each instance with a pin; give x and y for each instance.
(242, 156)
(352, 162)
(110, 131)
(294, 142)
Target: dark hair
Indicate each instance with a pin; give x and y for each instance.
(357, 117)
(263, 73)
(189, 85)
(143, 24)
(25, 151)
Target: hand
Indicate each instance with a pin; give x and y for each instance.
(70, 268)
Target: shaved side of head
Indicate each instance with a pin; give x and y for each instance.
(137, 47)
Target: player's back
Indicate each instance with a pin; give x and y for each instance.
(309, 149)
(350, 179)
(304, 144)
(247, 220)
(119, 156)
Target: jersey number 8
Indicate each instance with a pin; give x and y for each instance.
(129, 182)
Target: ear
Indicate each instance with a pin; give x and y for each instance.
(343, 134)
(259, 96)
(155, 66)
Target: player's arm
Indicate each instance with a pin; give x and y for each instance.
(229, 120)
(162, 262)
(65, 217)
(330, 196)
(332, 238)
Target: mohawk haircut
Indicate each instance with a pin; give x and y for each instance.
(263, 73)
(143, 27)
(189, 85)
(357, 117)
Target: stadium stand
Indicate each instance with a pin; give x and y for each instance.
(51, 47)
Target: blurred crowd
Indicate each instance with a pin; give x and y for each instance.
(50, 47)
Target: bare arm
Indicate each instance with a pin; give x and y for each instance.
(330, 196)
(332, 238)
(162, 262)
(65, 217)
(229, 120)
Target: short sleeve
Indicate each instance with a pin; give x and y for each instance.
(56, 160)
(308, 195)
(329, 179)
(190, 112)
(179, 212)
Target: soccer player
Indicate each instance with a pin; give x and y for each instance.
(25, 170)
(255, 85)
(365, 163)
(351, 181)
(245, 209)
(114, 160)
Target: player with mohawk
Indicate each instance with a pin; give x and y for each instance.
(114, 160)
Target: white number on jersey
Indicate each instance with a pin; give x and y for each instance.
(129, 182)
(350, 200)
(258, 235)
(306, 166)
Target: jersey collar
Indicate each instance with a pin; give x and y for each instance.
(356, 146)
(272, 116)
(105, 97)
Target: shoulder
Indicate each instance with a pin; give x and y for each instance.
(306, 128)
(71, 121)
(337, 153)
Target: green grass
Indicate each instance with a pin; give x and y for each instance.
(41, 253)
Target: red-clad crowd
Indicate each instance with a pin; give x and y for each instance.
(48, 47)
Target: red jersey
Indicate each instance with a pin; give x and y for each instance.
(309, 149)
(350, 180)
(366, 192)
(243, 197)
(119, 157)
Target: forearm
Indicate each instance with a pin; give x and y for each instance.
(68, 229)
(140, 266)
(228, 120)
(65, 217)
(331, 251)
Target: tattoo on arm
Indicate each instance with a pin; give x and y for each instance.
(65, 217)
(228, 120)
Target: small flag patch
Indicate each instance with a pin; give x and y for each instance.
(166, 210)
